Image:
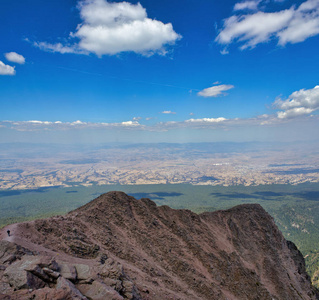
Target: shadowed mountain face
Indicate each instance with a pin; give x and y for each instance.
(157, 253)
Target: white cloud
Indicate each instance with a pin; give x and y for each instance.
(215, 91)
(247, 5)
(224, 52)
(35, 125)
(294, 112)
(15, 57)
(305, 24)
(130, 123)
(109, 28)
(6, 69)
(299, 105)
(207, 120)
(58, 47)
(292, 25)
(39, 122)
(282, 117)
(168, 112)
(78, 122)
(302, 102)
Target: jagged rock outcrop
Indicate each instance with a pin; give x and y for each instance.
(117, 247)
(31, 275)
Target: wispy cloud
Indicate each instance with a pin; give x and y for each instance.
(6, 69)
(215, 91)
(252, 4)
(109, 28)
(15, 57)
(58, 47)
(201, 123)
(169, 112)
(36, 125)
(206, 120)
(292, 25)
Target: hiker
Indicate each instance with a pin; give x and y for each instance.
(8, 232)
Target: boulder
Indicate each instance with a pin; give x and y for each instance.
(21, 279)
(10, 252)
(84, 273)
(67, 271)
(129, 291)
(28, 272)
(17, 276)
(99, 291)
(51, 273)
(68, 287)
(111, 269)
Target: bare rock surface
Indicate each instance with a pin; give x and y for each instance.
(117, 247)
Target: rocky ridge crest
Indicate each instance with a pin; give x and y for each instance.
(117, 247)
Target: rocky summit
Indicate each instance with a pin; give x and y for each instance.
(117, 247)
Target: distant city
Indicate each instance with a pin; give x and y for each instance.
(27, 166)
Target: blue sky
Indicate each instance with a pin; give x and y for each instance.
(159, 70)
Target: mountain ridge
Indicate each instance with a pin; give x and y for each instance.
(163, 253)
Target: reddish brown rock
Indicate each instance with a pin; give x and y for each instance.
(130, 248)
(99, 291)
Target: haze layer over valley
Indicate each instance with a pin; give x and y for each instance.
(27, 166)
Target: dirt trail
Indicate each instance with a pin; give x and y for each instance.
(13, 231)
(17, 236)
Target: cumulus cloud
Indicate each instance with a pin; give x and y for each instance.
(168, 112)
(109, 28)
(6, 69)
(292, 25)
(215, 91)
(15, 57)
(247, 5)
(302, 102)
(294, 112)
(130, 123)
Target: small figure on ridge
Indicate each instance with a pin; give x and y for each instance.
(8, 232)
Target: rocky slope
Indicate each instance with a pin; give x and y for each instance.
(117, 247)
